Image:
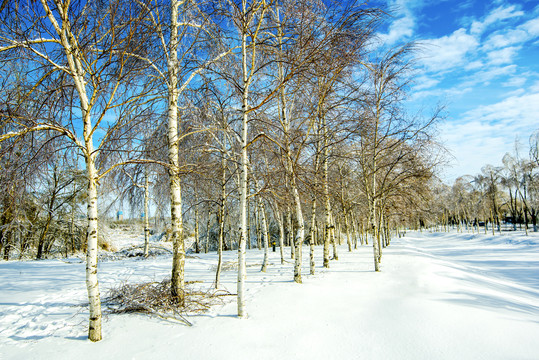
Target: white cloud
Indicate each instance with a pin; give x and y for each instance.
(482, 58)
(450, 51)
(503, 56)
(446, 95)
(535, 87)
(513, 36)
(487, 74)
(473, 144)
(514, 114)
(517, 92)
(496, 15)
(474, 65)
(486, 133)
(507, 38)
(516, 81)
(463, 49)
(532, 27)
(425, 82)
(400, 29)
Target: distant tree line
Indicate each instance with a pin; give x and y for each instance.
(499, 198)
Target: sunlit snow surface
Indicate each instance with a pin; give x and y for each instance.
(439, 296)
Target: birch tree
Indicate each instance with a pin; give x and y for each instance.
(388, 82)
(81, 47)
(185, 44)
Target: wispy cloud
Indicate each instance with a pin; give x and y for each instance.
(488, 73)
(449, 51)
(402, 28)
(516, 81)
(425, 82)
(466, 49)
(511, 37)
(516, 113)
(503, 56)
(486, 132)
(399, 30)
(501, 13)
(482, 70)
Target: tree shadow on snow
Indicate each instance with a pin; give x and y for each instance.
(496, 297)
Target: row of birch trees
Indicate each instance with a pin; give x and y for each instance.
(291, 110)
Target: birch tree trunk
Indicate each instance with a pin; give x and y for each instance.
(220, 249)
(265, 235)
(208, 224)
(78, 73)
(146, 215)
(72, 222)
(197, 240)
(364, 236)
(296, 247)
(280, 221)
(375, 234)
(244, 162)
(348, 237)
(92, 285)
(221, 222)
(334, 240)
(355, 232)
(313, 234)
(178, 247)
(290, 234)
(249, 245)
(257, 228)
(327, 209)
(221, 216)
(300, 234)
(492, 220)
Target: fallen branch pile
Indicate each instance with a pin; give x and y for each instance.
(155, 298)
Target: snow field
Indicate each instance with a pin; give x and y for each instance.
(438, 296)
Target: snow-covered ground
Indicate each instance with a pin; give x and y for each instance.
(438, 296)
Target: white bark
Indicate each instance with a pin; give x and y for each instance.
(299, 237)
(311, 243)
(280, 221)
(77, 72)
(327, 209)
(300, 234)
(146, 215)
(290, 234)
(242, 274)
(178, 247)
(92, 285)
(375, 236)
(348, 236)
(220, 248)
(334, 239)
(355, 232)
(265, 235)
(197, 235)
(221, 224)
(207, 240)
(257, 228)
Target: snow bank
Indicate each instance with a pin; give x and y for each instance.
(439, 296)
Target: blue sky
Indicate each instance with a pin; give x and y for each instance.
(480, 59)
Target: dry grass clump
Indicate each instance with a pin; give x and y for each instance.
(155, 298)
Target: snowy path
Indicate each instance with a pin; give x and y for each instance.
(439, 296)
